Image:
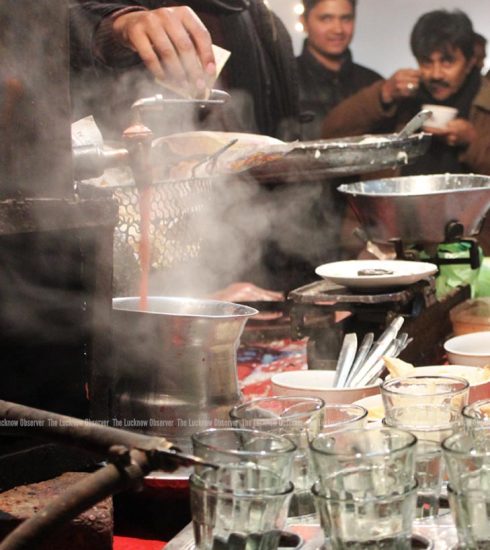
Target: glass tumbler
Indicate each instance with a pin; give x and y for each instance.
(367, 522)
(430, 424)
(342, 417)
(467, 457)
(238, 506)
(364, 463)
(477, 414)
(426, 393)
(271, 452)
(297, 418)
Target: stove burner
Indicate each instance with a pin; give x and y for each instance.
(324, 312)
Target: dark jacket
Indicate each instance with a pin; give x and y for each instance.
(261, 73)
(322, 89)
(364, 111)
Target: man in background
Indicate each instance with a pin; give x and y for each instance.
(327, 74)
(443, 44)
(480, 50)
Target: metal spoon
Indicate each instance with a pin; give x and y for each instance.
(378, 350)
(346, 358)
(364, 348)
(414, 124)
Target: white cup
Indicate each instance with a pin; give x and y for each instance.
(441, 115)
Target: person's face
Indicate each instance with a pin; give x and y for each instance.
(443, 74)
(330, 27)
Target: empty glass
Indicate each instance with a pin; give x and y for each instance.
(296, 418)
(448, 393)
(364, 463)
(430, 424)
(471, 513)
(341, 417)
(221, 446)
(366, 522)
(467, 456)
(238, 506)
(477, 414)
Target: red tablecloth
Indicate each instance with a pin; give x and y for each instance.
(125, 543)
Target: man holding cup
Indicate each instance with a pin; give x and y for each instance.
(442, 42)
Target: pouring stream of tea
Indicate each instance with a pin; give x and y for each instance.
(145, 196)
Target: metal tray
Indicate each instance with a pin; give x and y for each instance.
(343, 157)
(439, 534)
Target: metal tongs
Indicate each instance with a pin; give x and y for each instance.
(362, 367)
(131, 456)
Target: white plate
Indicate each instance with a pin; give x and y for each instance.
(386, 273)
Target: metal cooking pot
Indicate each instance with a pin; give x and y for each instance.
(417, 209)
(175, 364)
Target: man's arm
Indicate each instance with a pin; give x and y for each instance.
(359, 114)
(172, 42)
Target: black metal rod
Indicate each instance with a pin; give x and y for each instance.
(83, 495)
(93, 437)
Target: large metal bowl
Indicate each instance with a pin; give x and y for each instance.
(417, 209)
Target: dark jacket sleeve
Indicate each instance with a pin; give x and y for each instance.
(477, 155)
(359, 114)
(86, 17)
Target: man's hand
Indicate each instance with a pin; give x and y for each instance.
(404, 83)
(458, 133)
(174, 45)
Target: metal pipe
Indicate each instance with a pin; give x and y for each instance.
(90, 436)
(111, 479)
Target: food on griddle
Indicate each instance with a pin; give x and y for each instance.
(91, 529)
(183, 155)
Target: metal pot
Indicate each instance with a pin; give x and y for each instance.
(175, 364)
(418, 209)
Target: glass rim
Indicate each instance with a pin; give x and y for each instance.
(316, 491)
(292, 447)
(318, 401)
(470, 408)
(385, 386)
(363, 412)
(196, 482)
(448, 441)
(358, 455)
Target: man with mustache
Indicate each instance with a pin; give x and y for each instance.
(327, 73)
(442, 42)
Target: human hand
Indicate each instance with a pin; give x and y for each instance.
(173, 44)
(404, 83)
(458, 132)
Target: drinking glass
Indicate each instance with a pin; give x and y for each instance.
(430, 424)
(442, 392)
(297, 418)
(477, 414)
(367, 522)
(471, 513)
(342, 417)
(364, 463)
(268, 451)
(467, 456)
(238, 506)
